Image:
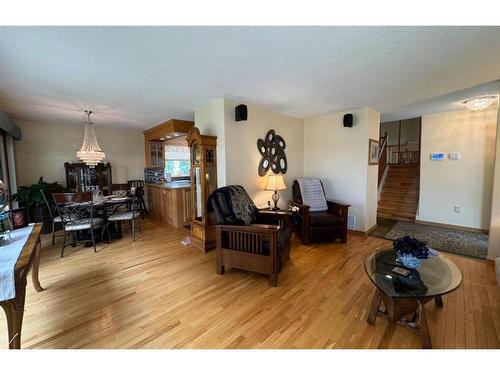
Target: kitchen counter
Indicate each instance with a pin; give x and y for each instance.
(173, 185)
(171, 202)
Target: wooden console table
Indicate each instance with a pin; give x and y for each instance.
(29, 259)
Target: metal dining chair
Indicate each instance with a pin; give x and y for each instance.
(137, 186)
(76, 211)
(130, 216)
(120, 189)
(53, 213)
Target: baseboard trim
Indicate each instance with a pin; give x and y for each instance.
(355, 231)
(371, 229)
(456, 227)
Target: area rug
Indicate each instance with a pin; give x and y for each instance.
(443, 239)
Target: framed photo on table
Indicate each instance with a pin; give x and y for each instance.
(19, 218)
(373, 150)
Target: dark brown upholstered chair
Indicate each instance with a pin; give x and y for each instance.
(322, 226)
(259, 245)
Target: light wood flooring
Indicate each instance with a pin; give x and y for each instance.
(156, 293)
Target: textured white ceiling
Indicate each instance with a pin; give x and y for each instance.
(139, 76)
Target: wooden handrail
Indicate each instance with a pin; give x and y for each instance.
(382, 157)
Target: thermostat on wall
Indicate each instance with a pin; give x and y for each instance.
(454, 155)
(437, 156)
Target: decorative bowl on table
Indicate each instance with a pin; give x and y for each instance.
(410, 251)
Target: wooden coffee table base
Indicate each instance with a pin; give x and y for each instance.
(397, 308)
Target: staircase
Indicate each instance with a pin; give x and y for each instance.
(399, 195)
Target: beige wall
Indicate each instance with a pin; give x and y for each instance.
(209, 118)
(466, 182)
(237, 154)
(242, 156)
(372, 173)
(339, 157)
(44, 148)
(494, 240)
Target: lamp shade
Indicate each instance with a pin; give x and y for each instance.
(275, 182)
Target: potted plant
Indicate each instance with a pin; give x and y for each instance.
(410, 251)
(31, 197)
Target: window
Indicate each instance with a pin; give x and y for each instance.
(177, 161)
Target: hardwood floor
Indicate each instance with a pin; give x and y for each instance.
(156, 293)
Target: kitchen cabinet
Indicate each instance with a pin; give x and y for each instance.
(154, 140)
(170, 204)
(155, 154)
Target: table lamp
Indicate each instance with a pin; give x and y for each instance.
(275, 183)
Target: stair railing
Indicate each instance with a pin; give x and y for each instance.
(382, 157)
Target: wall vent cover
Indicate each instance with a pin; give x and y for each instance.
(351, 222)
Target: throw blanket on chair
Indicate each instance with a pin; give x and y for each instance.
(234, 205)
(313, 194)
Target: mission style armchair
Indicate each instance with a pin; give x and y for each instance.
(319, 226)
(246, 239)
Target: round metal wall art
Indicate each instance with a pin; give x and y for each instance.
(272, 150)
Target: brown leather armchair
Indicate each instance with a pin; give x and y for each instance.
(319, 226)
(247, 239)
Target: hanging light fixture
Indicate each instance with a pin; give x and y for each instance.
(90, 153)
(479, 103)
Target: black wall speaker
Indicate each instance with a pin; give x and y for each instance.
(241, 113)
(348, 120)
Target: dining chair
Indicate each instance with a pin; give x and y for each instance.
(120, 189)
(76, 211)
(130, 216)
(53, 213)
(138, 186)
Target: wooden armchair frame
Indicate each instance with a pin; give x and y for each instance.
(335, 208)
(243, 247)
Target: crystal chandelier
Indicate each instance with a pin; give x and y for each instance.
(90, 153)
(479, 103)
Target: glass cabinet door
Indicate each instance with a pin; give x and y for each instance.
(198, 198)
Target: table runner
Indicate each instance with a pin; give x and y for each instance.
(9, 254)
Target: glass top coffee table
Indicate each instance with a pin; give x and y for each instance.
(407, 295)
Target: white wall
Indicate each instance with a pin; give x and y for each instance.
(494, 240)
(372, 173)
(339, 157)
(243, 156)
(466, 182)
(209, 118)
(44, 148)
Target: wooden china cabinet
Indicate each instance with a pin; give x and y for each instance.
(80, 177)
(203, 183)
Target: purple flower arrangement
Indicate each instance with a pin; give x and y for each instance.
(410, 251)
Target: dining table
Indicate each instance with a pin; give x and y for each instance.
(105, 207)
